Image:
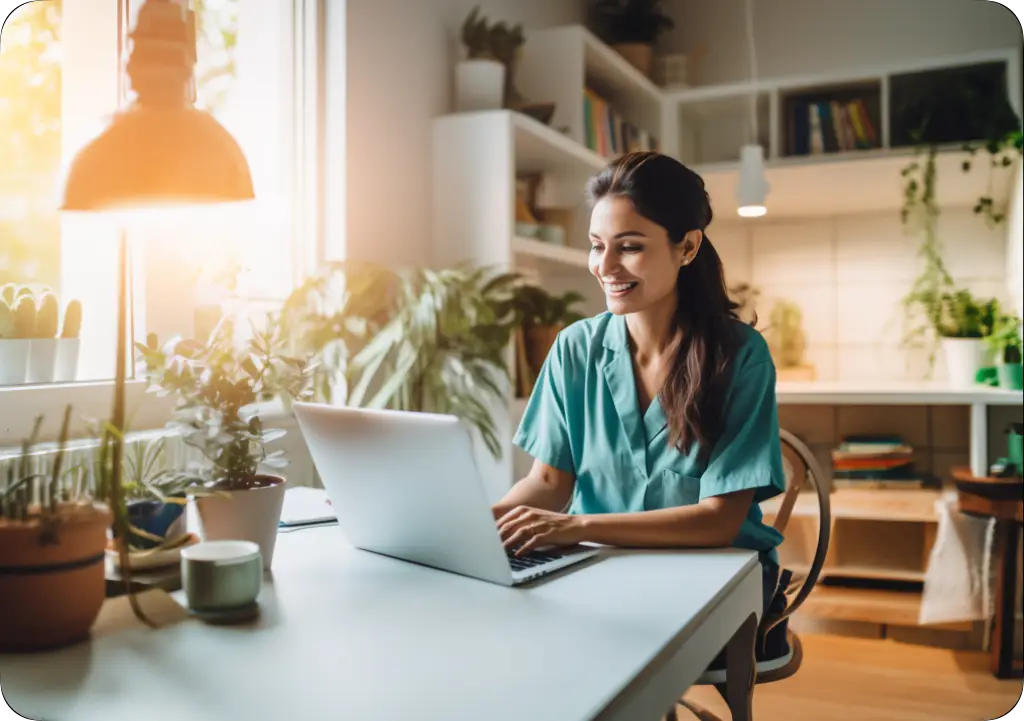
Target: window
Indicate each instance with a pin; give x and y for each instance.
(60, 78)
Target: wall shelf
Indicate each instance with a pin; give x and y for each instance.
(895, 394)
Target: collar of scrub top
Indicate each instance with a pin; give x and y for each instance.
(617, 369)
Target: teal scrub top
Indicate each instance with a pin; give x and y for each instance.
(584, 418)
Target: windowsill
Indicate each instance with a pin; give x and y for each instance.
(91, 402)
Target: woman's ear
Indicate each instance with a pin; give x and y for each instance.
(690, 246)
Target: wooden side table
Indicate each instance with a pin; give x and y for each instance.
(1002, 499)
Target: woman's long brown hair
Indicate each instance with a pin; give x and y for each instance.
(668, 193)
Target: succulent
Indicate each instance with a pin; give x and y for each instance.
(8, 292)
(25, 318)
(72, 320)
(6, 320)
(48, 316)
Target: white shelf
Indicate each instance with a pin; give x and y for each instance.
(573, 257)
(542, 149)
(613, 73)
(854, 182)
(893, 394)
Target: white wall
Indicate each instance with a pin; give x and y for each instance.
(796, 37)
(400, 55)
(849, 274)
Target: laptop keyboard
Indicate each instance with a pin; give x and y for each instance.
(531, 559)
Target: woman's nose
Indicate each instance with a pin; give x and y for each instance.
(608, 264)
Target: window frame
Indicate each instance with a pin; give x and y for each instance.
(20, 405)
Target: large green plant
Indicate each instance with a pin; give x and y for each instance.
(530, 305)
(217, 386)
(443, 350)
(332, 315)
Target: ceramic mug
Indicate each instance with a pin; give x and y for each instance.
(221, 576)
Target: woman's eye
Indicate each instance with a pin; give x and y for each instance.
(594, 248)
(632, 248)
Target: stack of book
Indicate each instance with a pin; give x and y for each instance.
(832, 126)
(607, 133)
(874, 462)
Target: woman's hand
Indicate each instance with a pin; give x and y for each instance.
(525, 528)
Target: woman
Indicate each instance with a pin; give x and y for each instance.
(655, 423)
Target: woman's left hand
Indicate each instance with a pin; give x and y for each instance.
(525, 528)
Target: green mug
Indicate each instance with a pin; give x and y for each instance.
(1015, 443)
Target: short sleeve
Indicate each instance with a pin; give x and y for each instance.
(544, 430)
(748, 455)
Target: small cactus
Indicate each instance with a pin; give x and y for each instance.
(7, 293)
(72, 320)
(25, 318)
(6, 320)
(48, 316)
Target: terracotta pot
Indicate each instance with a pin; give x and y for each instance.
(252, 514)
(539, 339)
(639, 55)
(50, 595)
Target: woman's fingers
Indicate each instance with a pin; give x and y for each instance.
(523, 536)
(512, 520)
(533, 542)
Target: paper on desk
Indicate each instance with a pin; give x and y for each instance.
(304, 506)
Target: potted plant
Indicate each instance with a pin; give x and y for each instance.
(631, 27)
(962, 324)
(786, 337)
(1005, 342)
(331, 316)
(69, 344)
(52, 540)
(443, 349)
(539, 317)
(42, 361)
(217, 386)
(17, 330)
(481, 78)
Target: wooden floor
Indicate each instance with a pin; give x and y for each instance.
(853, 679)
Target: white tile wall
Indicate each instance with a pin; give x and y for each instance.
(849, 274)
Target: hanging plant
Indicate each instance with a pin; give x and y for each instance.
(1001, 150)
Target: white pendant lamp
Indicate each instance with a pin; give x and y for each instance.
(753, 187)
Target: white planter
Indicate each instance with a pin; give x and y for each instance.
(14, 354)
(67, 359)
(251, 515)
(964, 358)
(42, 361)
(479, 85)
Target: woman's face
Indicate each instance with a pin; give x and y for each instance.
(632, 258)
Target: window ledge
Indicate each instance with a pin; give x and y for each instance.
(90, 402)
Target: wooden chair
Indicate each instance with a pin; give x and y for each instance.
(804, 468)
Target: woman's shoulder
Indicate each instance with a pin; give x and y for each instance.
(751, 345)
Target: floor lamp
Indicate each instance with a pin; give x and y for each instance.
(160, 152)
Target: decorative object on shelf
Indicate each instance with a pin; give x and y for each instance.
(52, 539)
(671, 73)
(32, 347)
(1005, 342)
(631, 27)
(539, 317)
(485, 80)
(752, 187)
(443, 348)
(962, 322)
(217, 386)
(788, 342)
(745, 295)
(159, 152)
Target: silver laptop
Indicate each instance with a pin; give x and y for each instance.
(406, 485)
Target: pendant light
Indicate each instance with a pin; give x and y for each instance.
(160, 151)
(752, 187)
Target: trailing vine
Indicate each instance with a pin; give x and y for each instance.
(1001, 151)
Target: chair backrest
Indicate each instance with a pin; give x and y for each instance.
(805, 467)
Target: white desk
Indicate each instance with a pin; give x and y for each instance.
(350, 635)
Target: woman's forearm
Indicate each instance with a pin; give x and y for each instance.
(712, 523)
(536, 493)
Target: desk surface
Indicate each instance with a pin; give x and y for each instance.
(346, 634)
